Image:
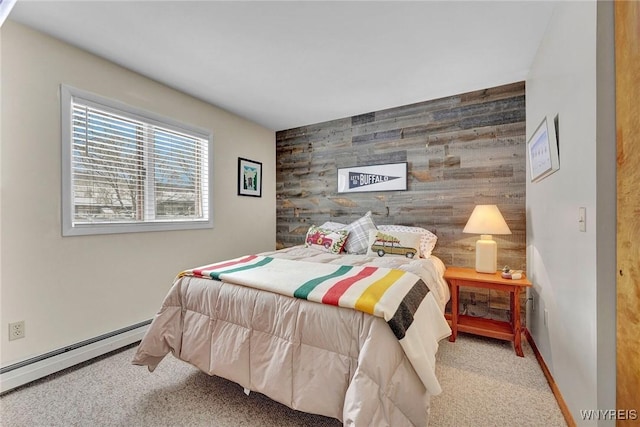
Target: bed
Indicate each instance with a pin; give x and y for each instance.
(318, 358)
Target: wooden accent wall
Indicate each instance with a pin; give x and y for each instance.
(461, 151)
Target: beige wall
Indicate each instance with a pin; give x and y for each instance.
(74, 288)
(573, 272)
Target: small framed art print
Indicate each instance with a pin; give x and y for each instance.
(543, 150)
(249, 178)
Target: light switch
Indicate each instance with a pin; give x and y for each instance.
(582, 219)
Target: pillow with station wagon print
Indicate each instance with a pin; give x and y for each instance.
(428, 240)
(393, 243)
(326, 240)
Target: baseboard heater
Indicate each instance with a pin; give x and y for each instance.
(28, 370)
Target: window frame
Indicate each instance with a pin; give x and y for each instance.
(67, 95)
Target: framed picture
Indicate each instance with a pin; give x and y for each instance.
(249, 178)
(387, 177)
(543, 150)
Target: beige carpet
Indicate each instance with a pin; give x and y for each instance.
(484, 383)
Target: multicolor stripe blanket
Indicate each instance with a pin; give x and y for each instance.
(392, 294)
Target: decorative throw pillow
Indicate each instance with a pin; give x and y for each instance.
(330, 225)
(427, 239)
(326, 240)
(393, 243)
(359, 234)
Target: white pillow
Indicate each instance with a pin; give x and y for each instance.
(427, 239)
(393, 243)
(329, 225)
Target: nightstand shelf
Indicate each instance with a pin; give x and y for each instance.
(485, 327)
(509, 331)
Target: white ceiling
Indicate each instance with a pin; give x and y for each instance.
(288, 64)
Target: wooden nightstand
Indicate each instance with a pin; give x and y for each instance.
(468, 277)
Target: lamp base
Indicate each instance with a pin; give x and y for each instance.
(486, 254)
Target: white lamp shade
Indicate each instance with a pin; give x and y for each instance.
(486, 219)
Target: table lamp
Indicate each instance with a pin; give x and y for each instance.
(486, 220)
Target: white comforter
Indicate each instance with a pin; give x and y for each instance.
(312, 357)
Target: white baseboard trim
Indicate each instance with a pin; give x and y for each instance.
(38, 367)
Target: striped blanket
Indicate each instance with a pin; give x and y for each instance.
(392, 294)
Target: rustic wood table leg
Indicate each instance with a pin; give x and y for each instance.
(454, 311)
(517, 327)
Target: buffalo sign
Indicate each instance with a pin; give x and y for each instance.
(387, 177)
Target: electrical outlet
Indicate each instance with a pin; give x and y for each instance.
(16, 330)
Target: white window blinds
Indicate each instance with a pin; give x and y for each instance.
(128, 169)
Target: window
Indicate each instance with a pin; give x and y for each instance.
(127, 170)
